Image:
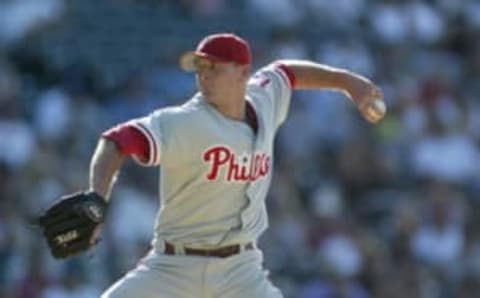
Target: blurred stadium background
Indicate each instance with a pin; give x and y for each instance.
(356, 211)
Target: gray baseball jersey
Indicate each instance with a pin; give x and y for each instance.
(215, 172)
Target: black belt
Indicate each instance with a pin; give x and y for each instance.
(222, 252)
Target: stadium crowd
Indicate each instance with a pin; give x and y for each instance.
(356, 210)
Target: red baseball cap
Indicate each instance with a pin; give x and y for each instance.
(223, 47)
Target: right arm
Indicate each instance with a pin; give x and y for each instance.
(113, 147)
(104, 167)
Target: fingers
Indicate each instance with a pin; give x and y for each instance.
(370, 103)
(96, 235)
(374, 111)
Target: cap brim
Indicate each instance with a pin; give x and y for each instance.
(188, 61)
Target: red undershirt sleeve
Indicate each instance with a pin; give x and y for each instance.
(129, 140)
(289, 74)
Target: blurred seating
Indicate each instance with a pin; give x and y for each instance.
(355, 210)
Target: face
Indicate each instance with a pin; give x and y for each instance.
(217, 80)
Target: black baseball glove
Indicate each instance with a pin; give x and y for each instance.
(71, 224)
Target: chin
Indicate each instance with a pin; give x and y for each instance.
(204, 91)
(206, 94)
(210, 99)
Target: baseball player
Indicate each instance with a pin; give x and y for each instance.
(215, 154)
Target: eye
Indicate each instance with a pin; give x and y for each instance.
(204, 64)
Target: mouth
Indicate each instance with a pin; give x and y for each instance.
(206, 90)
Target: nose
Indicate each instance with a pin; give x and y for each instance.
(203, 75)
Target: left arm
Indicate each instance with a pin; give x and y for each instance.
(365, 94)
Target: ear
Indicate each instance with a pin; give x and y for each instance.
(245, 71)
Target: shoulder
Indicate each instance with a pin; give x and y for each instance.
(187, 115)
(275, 72)
(186, 109)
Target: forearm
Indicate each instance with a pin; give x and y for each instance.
(365, 94)
(104, 166)
(311, 75)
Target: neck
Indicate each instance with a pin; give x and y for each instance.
(232, 107)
